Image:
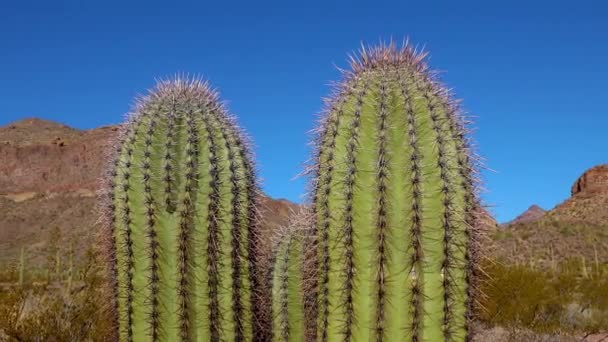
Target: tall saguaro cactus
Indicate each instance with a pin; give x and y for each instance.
(181, 208)
(394, 201)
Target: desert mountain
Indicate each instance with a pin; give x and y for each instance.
(49, 176)
(593, 181)
(576, 229)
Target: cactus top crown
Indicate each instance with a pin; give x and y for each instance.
(387, 56)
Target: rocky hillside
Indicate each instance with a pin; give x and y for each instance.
(49, 176)
(576, 229)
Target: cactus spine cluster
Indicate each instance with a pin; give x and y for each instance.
(393, 205)
(181, 208)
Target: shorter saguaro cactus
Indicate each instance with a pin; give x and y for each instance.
(289, 280)
(288, 322)
(70, 266)
(182, 220)
(22, 267)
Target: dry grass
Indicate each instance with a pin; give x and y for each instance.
(40, 310)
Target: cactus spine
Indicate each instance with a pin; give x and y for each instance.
(181, 208)
(394, 201)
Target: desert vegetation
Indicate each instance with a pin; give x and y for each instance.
(56, 303)
(521, 301)
(568, 299)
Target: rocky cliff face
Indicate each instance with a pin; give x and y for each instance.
(49, 174)
(589, 200)
(593, 181)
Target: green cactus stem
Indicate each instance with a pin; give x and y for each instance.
(394, 203)
(181, 208)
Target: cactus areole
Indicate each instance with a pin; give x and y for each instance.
(181, 213)
(393, 204)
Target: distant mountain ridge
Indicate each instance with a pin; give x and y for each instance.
(43, 156)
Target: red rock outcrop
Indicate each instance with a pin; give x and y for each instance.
(592, 181)
(589, 200)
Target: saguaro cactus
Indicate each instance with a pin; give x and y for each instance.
(289, 279)
(394, 201)
(70, 265)
(288, 322)
(22, 268)
(181, 208)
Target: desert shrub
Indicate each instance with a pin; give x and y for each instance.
(567, 299)
(594, 299)
(11, 306)
(9, 273)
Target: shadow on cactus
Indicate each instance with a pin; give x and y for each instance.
(182, 220)
(394, 206)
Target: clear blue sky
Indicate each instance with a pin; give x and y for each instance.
(532, 72)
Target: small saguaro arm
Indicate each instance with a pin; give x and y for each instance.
(394, 202)
(182, 220)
